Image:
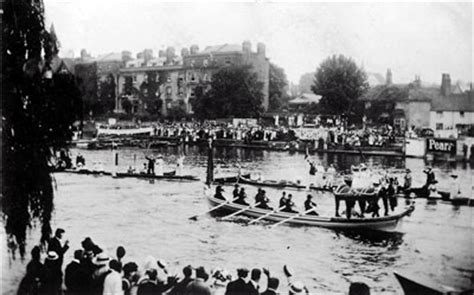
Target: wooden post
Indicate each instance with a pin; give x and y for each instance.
(210, 163)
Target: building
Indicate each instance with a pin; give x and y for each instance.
(415, 105)
(173, 79)
(303, 101)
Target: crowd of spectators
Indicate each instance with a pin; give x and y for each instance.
(93, 271)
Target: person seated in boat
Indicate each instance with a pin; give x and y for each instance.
(80, 161)
(289, 205)
(130, 170)
(218, 194)
(263, 200)
(151, 165)
(235, 192)
(433, 191)
(283, 200)
(310, 205)
(144, 169)
(241, 199)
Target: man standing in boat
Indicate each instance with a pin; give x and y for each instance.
(151, 165)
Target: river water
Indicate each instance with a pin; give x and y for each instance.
(434, 244)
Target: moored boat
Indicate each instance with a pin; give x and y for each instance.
(229, 179)
(386, 223)
(167, 175)
(411, 286)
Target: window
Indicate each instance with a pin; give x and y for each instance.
(439, 126)
(227, 60)
(134, 78)
(461, 114)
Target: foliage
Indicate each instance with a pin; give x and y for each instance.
(277, 87)
(305, 83)
(150, 94)
(235, 92)
(86, 77)
(106, 99)
(340, 82)
(38, 113)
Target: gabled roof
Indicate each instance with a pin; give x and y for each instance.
(222, 48)
(113, 56)
(453, 103)
(305, 98)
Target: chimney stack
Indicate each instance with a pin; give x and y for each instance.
(445, 85)
(169, 55)
(194, 49)
(247, 47)
(388, 77)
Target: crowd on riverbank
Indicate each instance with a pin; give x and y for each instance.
(93, 271)
(334, 135)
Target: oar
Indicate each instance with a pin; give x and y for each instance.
(293, 217)
(263, 216)
(240, 211)
(212, 209)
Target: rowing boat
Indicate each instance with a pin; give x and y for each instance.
(229, 179)
(167, 175)
(280, 184)
(386, 223)
(415, 287)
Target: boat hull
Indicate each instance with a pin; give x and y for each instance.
(388, 223)
(283, 185)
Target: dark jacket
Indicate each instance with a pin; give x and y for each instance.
(55, 245)
(269, 292)
(180, 287)
(252, 289)
(237, 287)
(75, 278)
(198, 287)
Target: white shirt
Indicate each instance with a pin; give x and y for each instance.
(113, 284)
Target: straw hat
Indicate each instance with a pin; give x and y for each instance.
(101, 259)
(52, 255)
(297, 288)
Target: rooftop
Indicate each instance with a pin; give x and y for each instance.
(222, 48)
(305, 98)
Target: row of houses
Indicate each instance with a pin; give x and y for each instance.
(412, 105)
(168, 78)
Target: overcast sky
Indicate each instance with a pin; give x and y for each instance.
(410, 38)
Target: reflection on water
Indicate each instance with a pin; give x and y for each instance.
(151, 218)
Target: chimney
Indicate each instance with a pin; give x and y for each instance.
(126, 55)
(194, 49)
(445, 85)
(184, 52)
(417, 82)
(261, 49)
(247, 47)
(388, 77)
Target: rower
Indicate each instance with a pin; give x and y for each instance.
(235, 192)
(309, 204)
(289, 205)
(218, 194)
(262, 199)
(241, 198)
(80, 161)
(283, 200)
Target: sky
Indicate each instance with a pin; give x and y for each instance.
(425, 39)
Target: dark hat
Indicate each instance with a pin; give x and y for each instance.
(236, 185)
(273, 283)
(408, 170)
(454, 176)
(130, 267)
(101, 259)
(242, 272)
(309, 196)
(201, 273)
(60, 231)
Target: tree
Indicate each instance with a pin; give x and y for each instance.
(235, 92)
(305, 83)
(340, 82)
(40, 105)
(106, 101)
(86, 77)
(277, 88)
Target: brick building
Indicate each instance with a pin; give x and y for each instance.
(176, 76)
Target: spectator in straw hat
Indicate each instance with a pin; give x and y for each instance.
(55, 244)
(297, 288)
(101, 262)
(53, 273)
